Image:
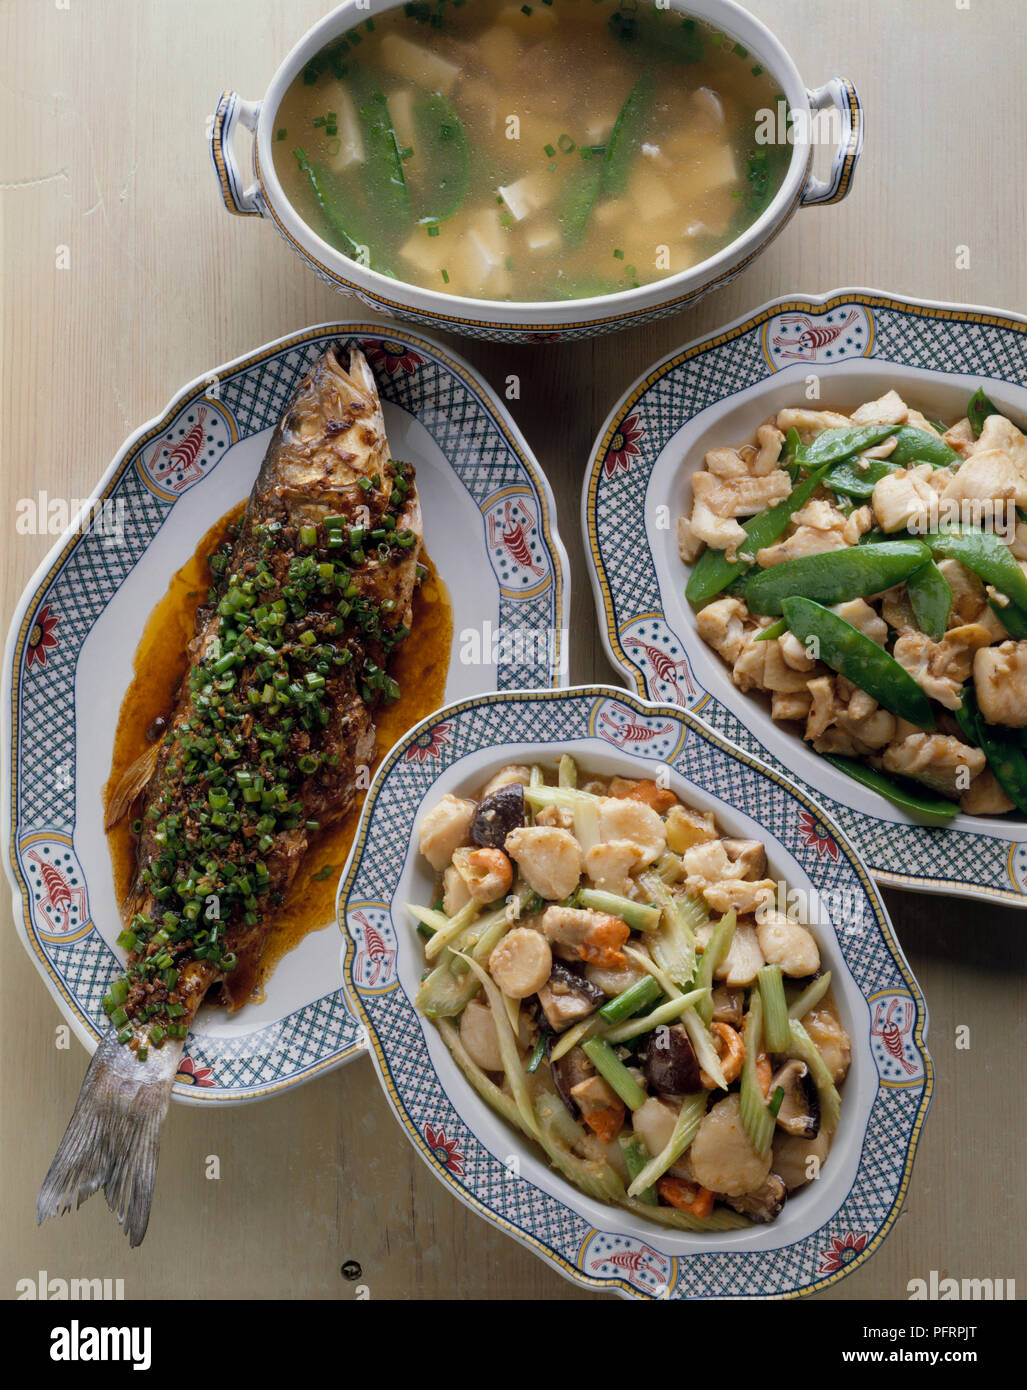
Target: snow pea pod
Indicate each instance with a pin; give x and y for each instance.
(853, 655)
(931, 596)
(987, 556)
(894, 791)
(854, 481)
(340, 211)
(835, 575)
(917, 446)
(978, 409)
(578, 196)
(714, 572)
(381, 174)
(626, 140)
(841, 442)
(442, 144)
(1001, 747)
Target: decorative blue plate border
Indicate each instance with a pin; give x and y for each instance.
(818, 335)
(884, 1109)
(81, 576)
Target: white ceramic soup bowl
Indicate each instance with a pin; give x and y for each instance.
(513, 321)
(826, 1228)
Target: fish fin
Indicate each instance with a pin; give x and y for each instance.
(113, 1137)
(134, 780)
(360, 371)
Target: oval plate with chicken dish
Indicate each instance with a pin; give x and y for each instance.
(625, 1006)
(203, 673)
(810, 528)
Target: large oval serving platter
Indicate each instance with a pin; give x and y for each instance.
(850, 346)
(827, 1228)
(490, 528)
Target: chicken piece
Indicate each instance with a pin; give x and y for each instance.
(686, 827)
(969, 599)
(737, 894)
(609, 864)
(809, 423)
(806, 540)
(634, 821)
(905, 499)
(985, 797)
(446, 827)
(870, 730)
(941, 669)
(722, 1156)
(857, 523)
(690, 545)
(883, 450)
(794, 654)
(726, 463)
(743, 960)
(721, 625)
(821, 514)
(778, 674)
(549, 859)
(839, 742)
(747, 672)
(719, 533)
(580, 934)
(860, 614)
(749, 857)
(897, 611)
(771, 441)
(890, 409)
(786, 707)
(1000, 680)
(1018, 541)
(830, 1038)
(996, 467)
(960, 437)
(825, 707)
(787, 943)
(939, 761)
(918, 421)
(743, 496)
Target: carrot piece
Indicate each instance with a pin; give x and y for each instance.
(661, 799)
(606, 1122)
(605, 940)
(686, 1196)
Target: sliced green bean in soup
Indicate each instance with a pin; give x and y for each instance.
(529, 152)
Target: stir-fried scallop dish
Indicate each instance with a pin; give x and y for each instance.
(867, 574)
(612, 974)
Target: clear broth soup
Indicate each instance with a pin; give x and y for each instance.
(552, 150)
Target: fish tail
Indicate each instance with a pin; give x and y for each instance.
(113, 1137)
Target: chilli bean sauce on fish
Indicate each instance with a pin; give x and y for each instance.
(273, 722)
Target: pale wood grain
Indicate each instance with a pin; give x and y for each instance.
(104, 109)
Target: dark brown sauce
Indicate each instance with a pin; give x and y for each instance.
(161, 662)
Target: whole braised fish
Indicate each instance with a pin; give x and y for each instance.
(272, 724)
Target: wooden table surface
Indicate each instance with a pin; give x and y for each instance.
(105, 105)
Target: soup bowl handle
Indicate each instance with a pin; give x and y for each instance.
(840, 100)
(231, 109)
